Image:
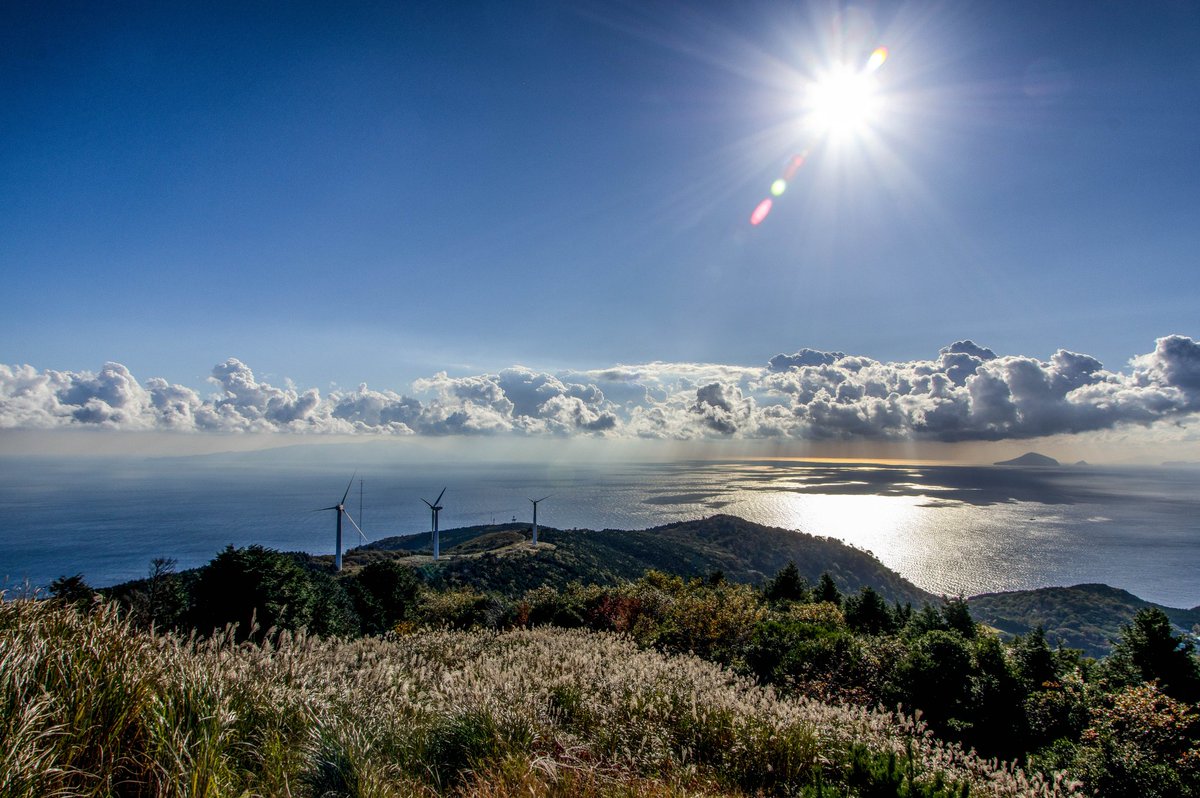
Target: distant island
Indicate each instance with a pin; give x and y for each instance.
(1029, 459)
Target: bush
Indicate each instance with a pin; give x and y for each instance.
(460, 609)
(935, 677)
(1141, 744)
(384, 593)
(254, 588)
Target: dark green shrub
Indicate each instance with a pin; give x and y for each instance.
(252, 587)
(384, 593)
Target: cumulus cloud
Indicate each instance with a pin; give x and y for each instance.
(366, 410)
(966, 392)
(805, 357)
(259, 406)
(722, 408)
(968, 348)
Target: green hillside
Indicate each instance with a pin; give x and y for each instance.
(1087, 617)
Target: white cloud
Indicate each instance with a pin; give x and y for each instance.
(967, 392)
(375, 411)
(805, 357)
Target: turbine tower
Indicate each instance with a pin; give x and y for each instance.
(341, 510)
(436, 507)
(535, 503)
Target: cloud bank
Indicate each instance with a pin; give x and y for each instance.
(966, 393)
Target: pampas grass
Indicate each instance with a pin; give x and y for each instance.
(92, 707)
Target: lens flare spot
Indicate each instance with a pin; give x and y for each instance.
(761, 212)
(794, 165)
(877, 58)
(778, 187)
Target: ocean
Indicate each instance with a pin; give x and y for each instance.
(949, 529)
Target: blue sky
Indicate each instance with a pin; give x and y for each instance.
(381, 192)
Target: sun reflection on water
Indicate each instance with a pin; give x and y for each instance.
(874, 523)
(943, 546)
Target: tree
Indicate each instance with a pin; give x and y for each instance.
(72, 590)
(1149, 650)
(787, 585)
(1033, 659)
(868, 612)
(1141, 744)
(333, 613)
(157, 602)
(958, 616)
(826, 590)
(926, 619)
(996, 711)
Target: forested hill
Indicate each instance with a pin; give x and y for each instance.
(742, 550)
(1086, 617)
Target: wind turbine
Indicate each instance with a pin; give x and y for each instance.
(341, 510)
(436, 507)
(535, 503)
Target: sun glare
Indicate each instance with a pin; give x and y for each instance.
(842, 103)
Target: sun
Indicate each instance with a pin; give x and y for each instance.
(842, 103)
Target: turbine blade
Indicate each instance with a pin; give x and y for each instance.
(323, 509)
(347, 493)
(427, 504)
(361, 534)
(545, 497)
(438, 500)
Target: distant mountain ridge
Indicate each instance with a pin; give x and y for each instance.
(742, 550)
(1029, 459)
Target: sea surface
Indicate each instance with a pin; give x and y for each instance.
(949, 529)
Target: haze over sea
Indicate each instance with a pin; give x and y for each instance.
(949, 529)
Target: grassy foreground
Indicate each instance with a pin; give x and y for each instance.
(91, 706)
